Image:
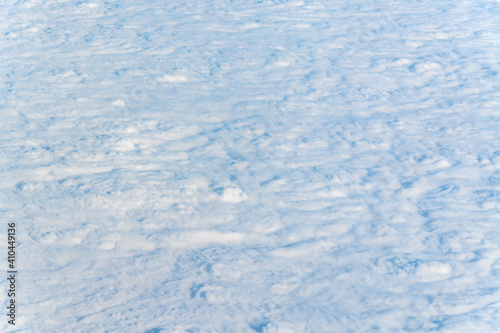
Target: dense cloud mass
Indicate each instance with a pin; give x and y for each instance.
(251, 166)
